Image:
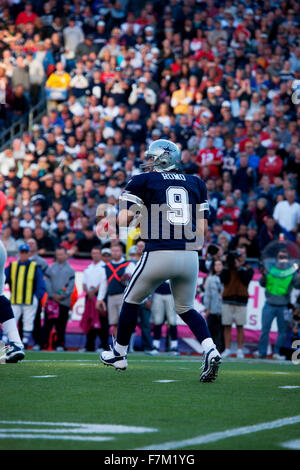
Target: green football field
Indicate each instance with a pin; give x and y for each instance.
(71, 401)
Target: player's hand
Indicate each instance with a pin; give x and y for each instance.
(207, 312)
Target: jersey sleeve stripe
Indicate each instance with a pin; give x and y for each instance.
(126, 196)
(204, 207)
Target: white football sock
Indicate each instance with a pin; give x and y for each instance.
(120, 349)
(156, 343)
(174, 344)
(208, 344)
(10, 329)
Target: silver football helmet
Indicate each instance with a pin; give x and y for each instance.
(162, 155)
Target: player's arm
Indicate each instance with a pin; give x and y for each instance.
(125, 217)
(202, 213)
(202, 227)
(131, 200)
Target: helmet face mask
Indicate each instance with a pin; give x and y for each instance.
(162, 155)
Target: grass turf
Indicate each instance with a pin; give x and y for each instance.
(84, 391)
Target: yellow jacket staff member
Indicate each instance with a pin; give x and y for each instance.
(182, 98)
(27, 285)
(59, 78)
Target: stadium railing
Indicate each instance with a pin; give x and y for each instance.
(23, 124)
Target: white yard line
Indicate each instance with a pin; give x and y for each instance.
(289, 386)
(166, 381)
(43, 376)
(294, 445)
(217, 436)
(59, 438)
(67, 431)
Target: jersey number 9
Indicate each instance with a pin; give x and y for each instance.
(178, 200)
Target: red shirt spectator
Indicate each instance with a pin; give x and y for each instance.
(270, 165)
(26, 16)
(228, 213)
(241, 30)
(210, 157)
(205, 52)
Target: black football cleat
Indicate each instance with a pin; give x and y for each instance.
(13, 353)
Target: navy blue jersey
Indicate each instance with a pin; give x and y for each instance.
(168, 204)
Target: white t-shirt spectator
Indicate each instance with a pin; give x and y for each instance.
(72, 37)
(110, 112)
(94, 275)
(27, 223)
(76, 109)
(115, 192)
(6, 163)
(287, 215)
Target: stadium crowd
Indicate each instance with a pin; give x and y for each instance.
(219, 78)
(215, 77)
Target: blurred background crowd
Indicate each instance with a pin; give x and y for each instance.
(219, 78)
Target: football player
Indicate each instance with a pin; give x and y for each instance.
(172, 210)
(14, 351)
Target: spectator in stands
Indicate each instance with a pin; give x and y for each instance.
(21, 75)
(27, 15)
(287, 213)
(16, 231)
(73, 36)
(70, 243)
(19, 105)
(209, 158)
(59, 79)
(88, 241)
(269, 232)
(142, 97)
(181, 98)
(59, 234)
(8, 241)
(251, 242)
(260, 211)
(44, 241)
(27, 220)
(243, 177)
(271, 164)
(36, 76)
(229, 214)
(60, 283)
